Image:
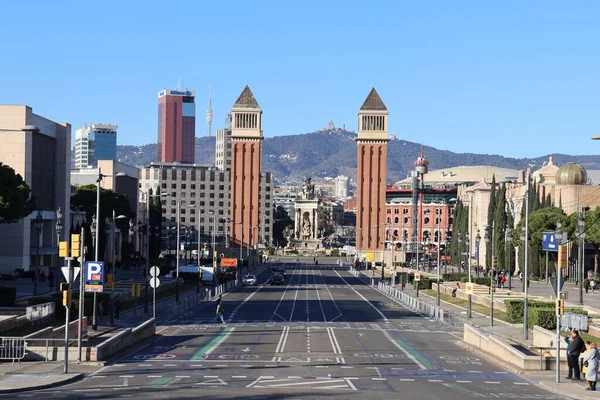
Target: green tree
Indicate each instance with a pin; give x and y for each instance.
(281, 220)
(500, 220)
(325, 221)
(84, 199)
(540, 221)
(16, 201)
(155, 225)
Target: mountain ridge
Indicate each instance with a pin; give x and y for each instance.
(332, 152)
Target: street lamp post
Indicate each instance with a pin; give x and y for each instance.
(581, 254)
(477, 242)
(509, 239)
(96, 237)
(469, 297)
(459, 251)
(59, 228)
(487, 247)
(112, 259)
(439, 241)
(39, 227)
(559, 235)
(525, 283)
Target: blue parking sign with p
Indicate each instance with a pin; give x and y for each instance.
(94, 271)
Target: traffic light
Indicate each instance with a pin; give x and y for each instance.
(67, 298)
(65, 286)
(75, 245)
(63, 249)
(562, 256)
(495, 261)
(560, 307)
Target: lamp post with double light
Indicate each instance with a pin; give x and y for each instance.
(59, 228)
(509, 240)
(559, 236)
(39, 228)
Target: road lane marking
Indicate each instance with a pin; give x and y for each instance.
(409, 352)
(294, 303)
(435, 380)
(333, 341)
(492, 382)
(154, 376)
(182, 376)
(283, 295)
(211, 376)
(463, 381)
(407, 380)
(521, 383)
(363, 297)
(282, 339)
(349, 382)
(379, 379)
(213, 344)
(239, 376)
(125, 376)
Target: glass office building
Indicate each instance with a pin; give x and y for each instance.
(93, 143)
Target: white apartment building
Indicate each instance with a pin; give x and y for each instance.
(203, 194)
(223, 149)
(341, 187)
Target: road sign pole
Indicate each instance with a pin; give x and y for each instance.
(546, 266)
(81, 295)
(67, 312)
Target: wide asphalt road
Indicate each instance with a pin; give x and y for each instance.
(324, 334)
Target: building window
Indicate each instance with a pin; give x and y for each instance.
(405, 211)
(202, 205)
(192, 220)
(396, 220)
(183, 186)
(426, 220)
(193, 186)
(182, 219)
(388, 211)
(405, 220)
(173, 186)
(193, 195)
(212, 187)
(212, 195)
(202, 186)
(202, 195)
(221, 204)
(173, 194)
(164, 185)
(396, 211)
(182, 211)
(211, 204)
(221, 187)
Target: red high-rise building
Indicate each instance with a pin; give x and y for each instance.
(176, 126)
(371, 177)
(245, 173)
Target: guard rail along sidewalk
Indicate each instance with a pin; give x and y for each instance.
(12, 348)
(193, 300)
(417, 305)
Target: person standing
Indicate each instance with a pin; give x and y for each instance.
(592, 285)
(591, 362)
(577, 346)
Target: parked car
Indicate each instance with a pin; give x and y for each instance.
(277, 279)
(249, 280)
(280, 271)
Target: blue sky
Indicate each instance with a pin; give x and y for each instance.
(517, 78)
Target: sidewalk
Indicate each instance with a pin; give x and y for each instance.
(19, 377)
(513, 334)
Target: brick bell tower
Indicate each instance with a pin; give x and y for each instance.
(371, 176)
(246, 153)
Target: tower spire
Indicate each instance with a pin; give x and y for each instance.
(209, 111)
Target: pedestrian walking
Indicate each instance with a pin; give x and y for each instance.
(220, 311)
(588, 346)
(100, 308)
(591, 363)
(592, 285)
(117, 309)
(575, 349)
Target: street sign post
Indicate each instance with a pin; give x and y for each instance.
(154, 282)
(469, 288)
(94, 276)
(549, 242)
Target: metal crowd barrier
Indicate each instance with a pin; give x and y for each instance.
(12, 348)
(570, 321)
(417, 305)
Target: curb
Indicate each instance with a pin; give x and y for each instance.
(569, 395)
(490, 358)
(75, 378)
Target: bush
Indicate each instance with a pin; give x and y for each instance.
(8, 295)
(576, 311)
(544, 317)
(38, 300)
(454, 276)
(335, 253)
(424, 283)
(514, 309)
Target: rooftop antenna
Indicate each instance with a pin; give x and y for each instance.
(209, 111)
(179, 83)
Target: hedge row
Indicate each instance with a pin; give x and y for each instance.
(481, 280)
(515, 310)
(454, 276)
